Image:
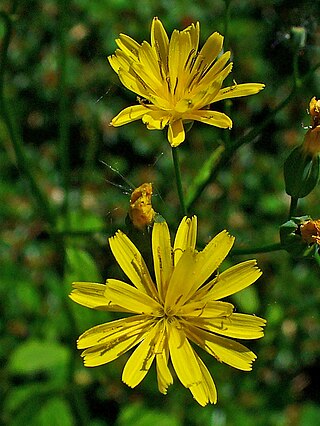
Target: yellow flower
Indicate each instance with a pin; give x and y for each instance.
(311, 143)
(179, 306)
(176, 82)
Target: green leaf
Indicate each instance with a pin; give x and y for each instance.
(137, 415)
(35, 356)
(203, 175)
(81, 266)
(19, 397)
(309, 414)
(55, 412)
(80, 221)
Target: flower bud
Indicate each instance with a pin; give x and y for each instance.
(302, 167)
(300, 236)
(141, 212)
(311, 144)
(301, 172)
(310, 231)
(298, 37)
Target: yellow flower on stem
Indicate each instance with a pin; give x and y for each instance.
(181, 305)
(176, 82)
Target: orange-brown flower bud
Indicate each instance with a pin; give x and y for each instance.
(311, 143)
(310, 231)
(141, 212)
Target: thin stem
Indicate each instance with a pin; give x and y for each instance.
(293, 206)
(226, 23)
(22, 161)
(178, 180)
(263, 249)
(253, 133)
(295, 66)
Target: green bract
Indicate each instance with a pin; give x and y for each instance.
(301, 173)
(291, 240)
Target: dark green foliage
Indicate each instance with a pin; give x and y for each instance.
(61, 94)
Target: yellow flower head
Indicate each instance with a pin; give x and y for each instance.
(141, 212)
(310, 231)
(175, 80)
(180, 305)
(311, 143)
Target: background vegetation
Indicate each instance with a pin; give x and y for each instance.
(59, 202)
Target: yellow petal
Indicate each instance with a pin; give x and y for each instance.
(235, 279)
(118, 60)
(89, 294)
(223, 349)
(214, 118)
(210, 258)
(238, 326)
(131, 298)
(181, 282)
(162, 256)
(131, 262)
(160, 43)
(149, 62)
(176, 133)
(131, 81)
(208, 53)
(164, 375)
(183, 356)
(231, 353)
(239, 90)
(92, 296)
(117, 338)
(141, 359)
(129, 114)
(203, 310)
(109, 333)
(173, 59)
(186, 237)
(214, 71)
(194, 31)
(156, 120)
(128, 45)
(205, 391)
(179, 54)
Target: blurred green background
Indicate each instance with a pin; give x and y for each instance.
(61, 94)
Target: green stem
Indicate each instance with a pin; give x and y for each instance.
(178, 180)
(295, 66)
(293, 206)
(263, 249)
(253, 133)
(226, 22)
(22, 161)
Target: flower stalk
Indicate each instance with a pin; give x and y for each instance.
(176, 164)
